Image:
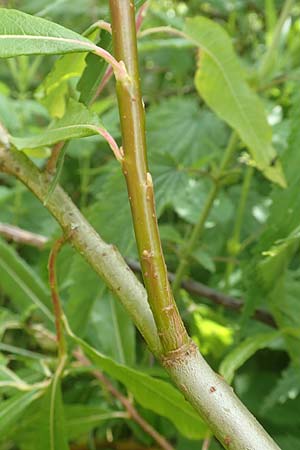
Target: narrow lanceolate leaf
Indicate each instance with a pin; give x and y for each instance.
(151, 393)
(12, 410)
(22, 34)
(19, 281)
(220, 81)
(77, 122)
(235, 359)
(44, 422)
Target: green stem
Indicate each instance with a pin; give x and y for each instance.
(139, 182)
(199, 227)
(234, 243)
(268, 58)
(104, 258)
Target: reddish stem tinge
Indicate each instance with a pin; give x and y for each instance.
(58, 312)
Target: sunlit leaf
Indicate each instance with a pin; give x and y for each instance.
(220, 81)
(22, 34)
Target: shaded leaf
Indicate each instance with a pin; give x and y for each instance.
(94, 71)
(237, 357)
(151, 393)
(44, 422)
(81, 419)
(11, 410)
(288, 387)
(113, 219)
(21, 283)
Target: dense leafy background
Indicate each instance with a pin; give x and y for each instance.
(188, 128)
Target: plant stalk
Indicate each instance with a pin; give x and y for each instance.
(104, 259)
(199, 227)
(228, 418)
(169, 324)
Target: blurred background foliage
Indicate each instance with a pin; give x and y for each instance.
(258, 265)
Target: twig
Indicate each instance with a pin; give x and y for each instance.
(237, 428)
(133, 413)
(200, 289)
(115, 445)
(19, 235)
(206, 443)
(193, 287)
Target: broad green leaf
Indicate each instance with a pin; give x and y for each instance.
(288, 387)
(11, 410)
(21, 283)
(77, 122)
(169, 180)
(188, 133)
(190, 200)
(151, 393)
(220, 81)
(22, 34)
(80, 299)
(237, 357)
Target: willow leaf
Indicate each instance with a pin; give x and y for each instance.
(220, 81)
(23, 34)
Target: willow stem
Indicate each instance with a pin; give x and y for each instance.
(199, 227)
(169, 324)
